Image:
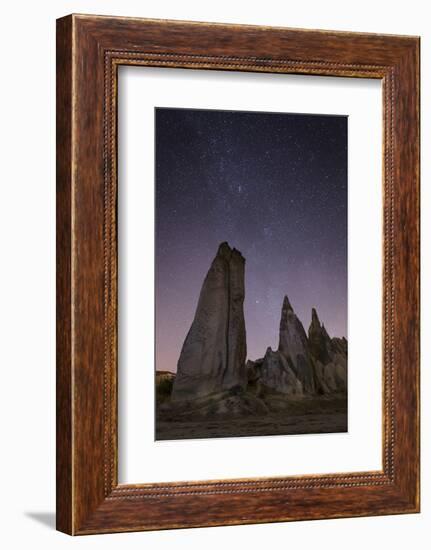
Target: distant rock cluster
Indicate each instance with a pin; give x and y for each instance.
(213, 356)
(313, 365)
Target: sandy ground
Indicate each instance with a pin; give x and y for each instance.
(305, 417)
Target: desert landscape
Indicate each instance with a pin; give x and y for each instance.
(299, 388)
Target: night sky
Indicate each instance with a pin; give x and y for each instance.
(274, 186)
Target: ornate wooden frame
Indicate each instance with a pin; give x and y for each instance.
(89, 51)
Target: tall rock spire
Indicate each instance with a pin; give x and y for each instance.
(213, 355)
(235, 374)
(318, 339)
(330, 357)
(293, 344)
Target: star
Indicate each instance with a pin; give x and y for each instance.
(274, 185)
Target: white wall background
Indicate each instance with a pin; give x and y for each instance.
(27, 279)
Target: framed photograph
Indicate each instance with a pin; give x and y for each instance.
(237, 274)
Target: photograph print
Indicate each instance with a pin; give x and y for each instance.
(251, 273)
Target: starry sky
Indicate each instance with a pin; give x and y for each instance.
(274, 185)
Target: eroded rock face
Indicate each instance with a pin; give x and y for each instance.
(253, 370)
(213, 355)
(318, 339)
(212, 359)
(332, 377)
(277, 374)
(339, 345)
(330, 358)
(293, 345)
(234, 374)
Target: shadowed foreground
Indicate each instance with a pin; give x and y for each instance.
(304, 416)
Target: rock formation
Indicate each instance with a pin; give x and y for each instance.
(213, 355)
(318, 339)
(312, 365)
(277, 374)
(293, 345)
(162, 375)
(330, 358)
(212, 371)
